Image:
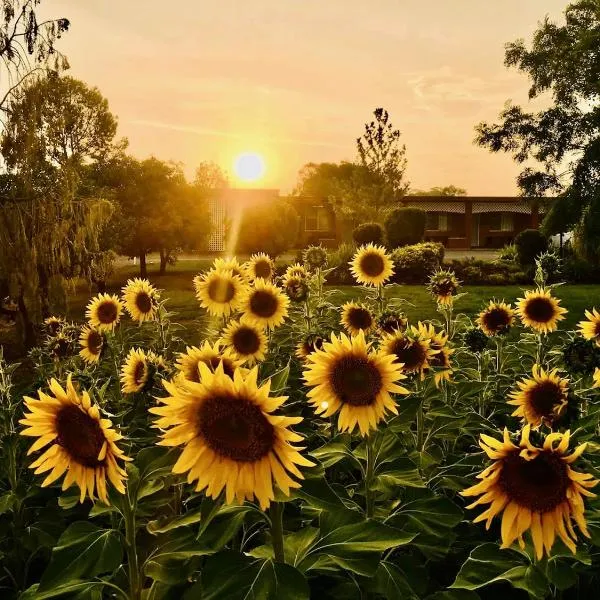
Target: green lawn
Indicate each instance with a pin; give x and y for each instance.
(177, 286)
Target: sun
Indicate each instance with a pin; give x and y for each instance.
(249, 166)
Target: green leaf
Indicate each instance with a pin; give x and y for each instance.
(454, 595)
(295, 546)
(333, 452)
(7, 501)
(73, 588)
(391, 582)
(489, 564)
(83, 550)
(279, 380)
(233, 576)
(561, 574)
(402, 472)
(167, 523)
(319, 494)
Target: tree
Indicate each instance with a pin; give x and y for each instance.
(353, 190)
(209, 176)
(380, 151)
(271, 228)
(564, 138)
(447, 190)
(158, 210)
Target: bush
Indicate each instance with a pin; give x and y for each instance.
(472, 271)
(404, 226)
(414, 264)
(339, 261)
(529, 244)
(271, 228)
(497, 279)
(368, 233)
(508, 253)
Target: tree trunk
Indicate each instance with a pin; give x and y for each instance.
(143, 269)
(100, 285)
(164, 255)
(27, 328)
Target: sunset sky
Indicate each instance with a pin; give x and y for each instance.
(295, 80)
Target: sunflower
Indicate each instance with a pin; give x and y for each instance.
(443, 286)
(308, 345)
(540, 310)
(264, 305)
(141, 299)
(315, 257)
(104, 312)
(496, 318)
(219, 292)
(535, 488)
(371, 265)
(295, 271)
(347, 376)
(247, 342)
(356, 318)
(260, 266)
(580, 356)
(296, 289)
(213, 356)
(596, 378)
(92, 343)
(541, 399)
(231, 439)
(438, 342)
(590, 329)
(412, 351)
(54, 324)
(390, 322)
(475, 340)
(138, 369)
(231, 264)
(82, 444)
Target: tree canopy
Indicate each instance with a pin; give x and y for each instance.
(562, 141)
(446, 190)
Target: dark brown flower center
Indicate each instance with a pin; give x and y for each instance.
(441, 359)
(263, 304)
(597, 329)
(228, 366)
(392, 323)
(540, 310)
(139, 373)
(61, 347)
(359, 318)
(54, 327)
(356, 381)
(80, 435)
(246, 341)
(539, 484)
(235, 428)
(545, 397)
(297, 289)
(372, 264)
(412, 353)
(144, 303)
(107, 312)
(193, 373)
(444, 287)
(221, 290)
(311, 344)
(94, 342)
(262, 268)
(496, 320)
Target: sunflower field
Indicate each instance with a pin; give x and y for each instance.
(309, 447)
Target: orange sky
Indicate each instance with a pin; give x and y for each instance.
(296, 79)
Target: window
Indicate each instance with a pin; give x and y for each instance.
(506, 223)
(437, 221)
(316, 218)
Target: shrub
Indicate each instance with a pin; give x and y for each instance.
(472, 274)
(339, 262)
(529, 243)
(497, 279)
(404, 226)
(271, 228)
(368, 233)
(508, 253)
(415, 263)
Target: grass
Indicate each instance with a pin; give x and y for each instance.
(177, 286)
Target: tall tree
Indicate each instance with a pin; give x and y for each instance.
(380, 150)
(563, 139)
(210, 176)
(446, 190)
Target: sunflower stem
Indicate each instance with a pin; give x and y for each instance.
(370, 500)
(420, 427)
(132, 556)
(498, 355)
(276, 515)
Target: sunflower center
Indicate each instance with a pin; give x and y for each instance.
(441, 359)
(80, 435)
(193, 373)
(236, 428)
(228, 366)
(444, 287)
(360, 318)
(540, 310)
(245, 341)
(139, 372)
(597, 328)
(143, 301)
(94, 342)
(262, 269)
(221, 290)
(411, 353)
(545, 397)
(61, 348)
(107, 312)
(539, 484)
(356, 381)
(263, 304)
(392, 323)
(372, 264)
(496, 319)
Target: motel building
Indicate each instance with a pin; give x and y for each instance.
(464, 222)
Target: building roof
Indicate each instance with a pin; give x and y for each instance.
(483, 199)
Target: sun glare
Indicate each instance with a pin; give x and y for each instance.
(249, 166)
